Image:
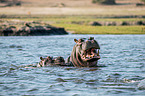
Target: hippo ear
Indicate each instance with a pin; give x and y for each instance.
(76, 40)
(41, 58)
(91, 38)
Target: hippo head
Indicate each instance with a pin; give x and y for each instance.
(85, 53)
(51, 61)
(45, 61)
(59, 61)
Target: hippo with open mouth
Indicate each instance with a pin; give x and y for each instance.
(85, 53)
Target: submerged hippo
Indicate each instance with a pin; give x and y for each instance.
(48, 61)
(84, 54)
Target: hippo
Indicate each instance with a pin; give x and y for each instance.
(50, 61)
(85, 53)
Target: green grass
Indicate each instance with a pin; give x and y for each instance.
(70, 19)
(85, 29)
(80, 24)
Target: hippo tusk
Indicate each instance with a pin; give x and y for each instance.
(93, 55)
(98, 53)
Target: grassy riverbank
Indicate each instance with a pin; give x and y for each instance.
(84, 29)
(81, 24)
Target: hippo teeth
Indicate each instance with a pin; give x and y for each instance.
(88, 56)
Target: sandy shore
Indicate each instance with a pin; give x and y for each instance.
(73, 11)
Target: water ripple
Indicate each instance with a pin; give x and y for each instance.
(120, 69)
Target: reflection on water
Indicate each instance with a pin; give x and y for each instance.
(121, 66)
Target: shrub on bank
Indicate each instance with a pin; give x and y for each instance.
(109, 2)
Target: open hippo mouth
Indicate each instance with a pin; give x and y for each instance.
(85, 53)
(90, 55)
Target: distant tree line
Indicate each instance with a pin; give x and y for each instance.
(11, 2)
(110, 2)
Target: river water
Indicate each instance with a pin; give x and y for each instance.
(121, 67)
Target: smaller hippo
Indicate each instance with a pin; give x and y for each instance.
(59, 61)
(48, 61)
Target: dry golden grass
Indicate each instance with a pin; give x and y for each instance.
(71, 3)
(72, 11)
(74, 7)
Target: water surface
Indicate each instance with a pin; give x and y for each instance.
(122, 61)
